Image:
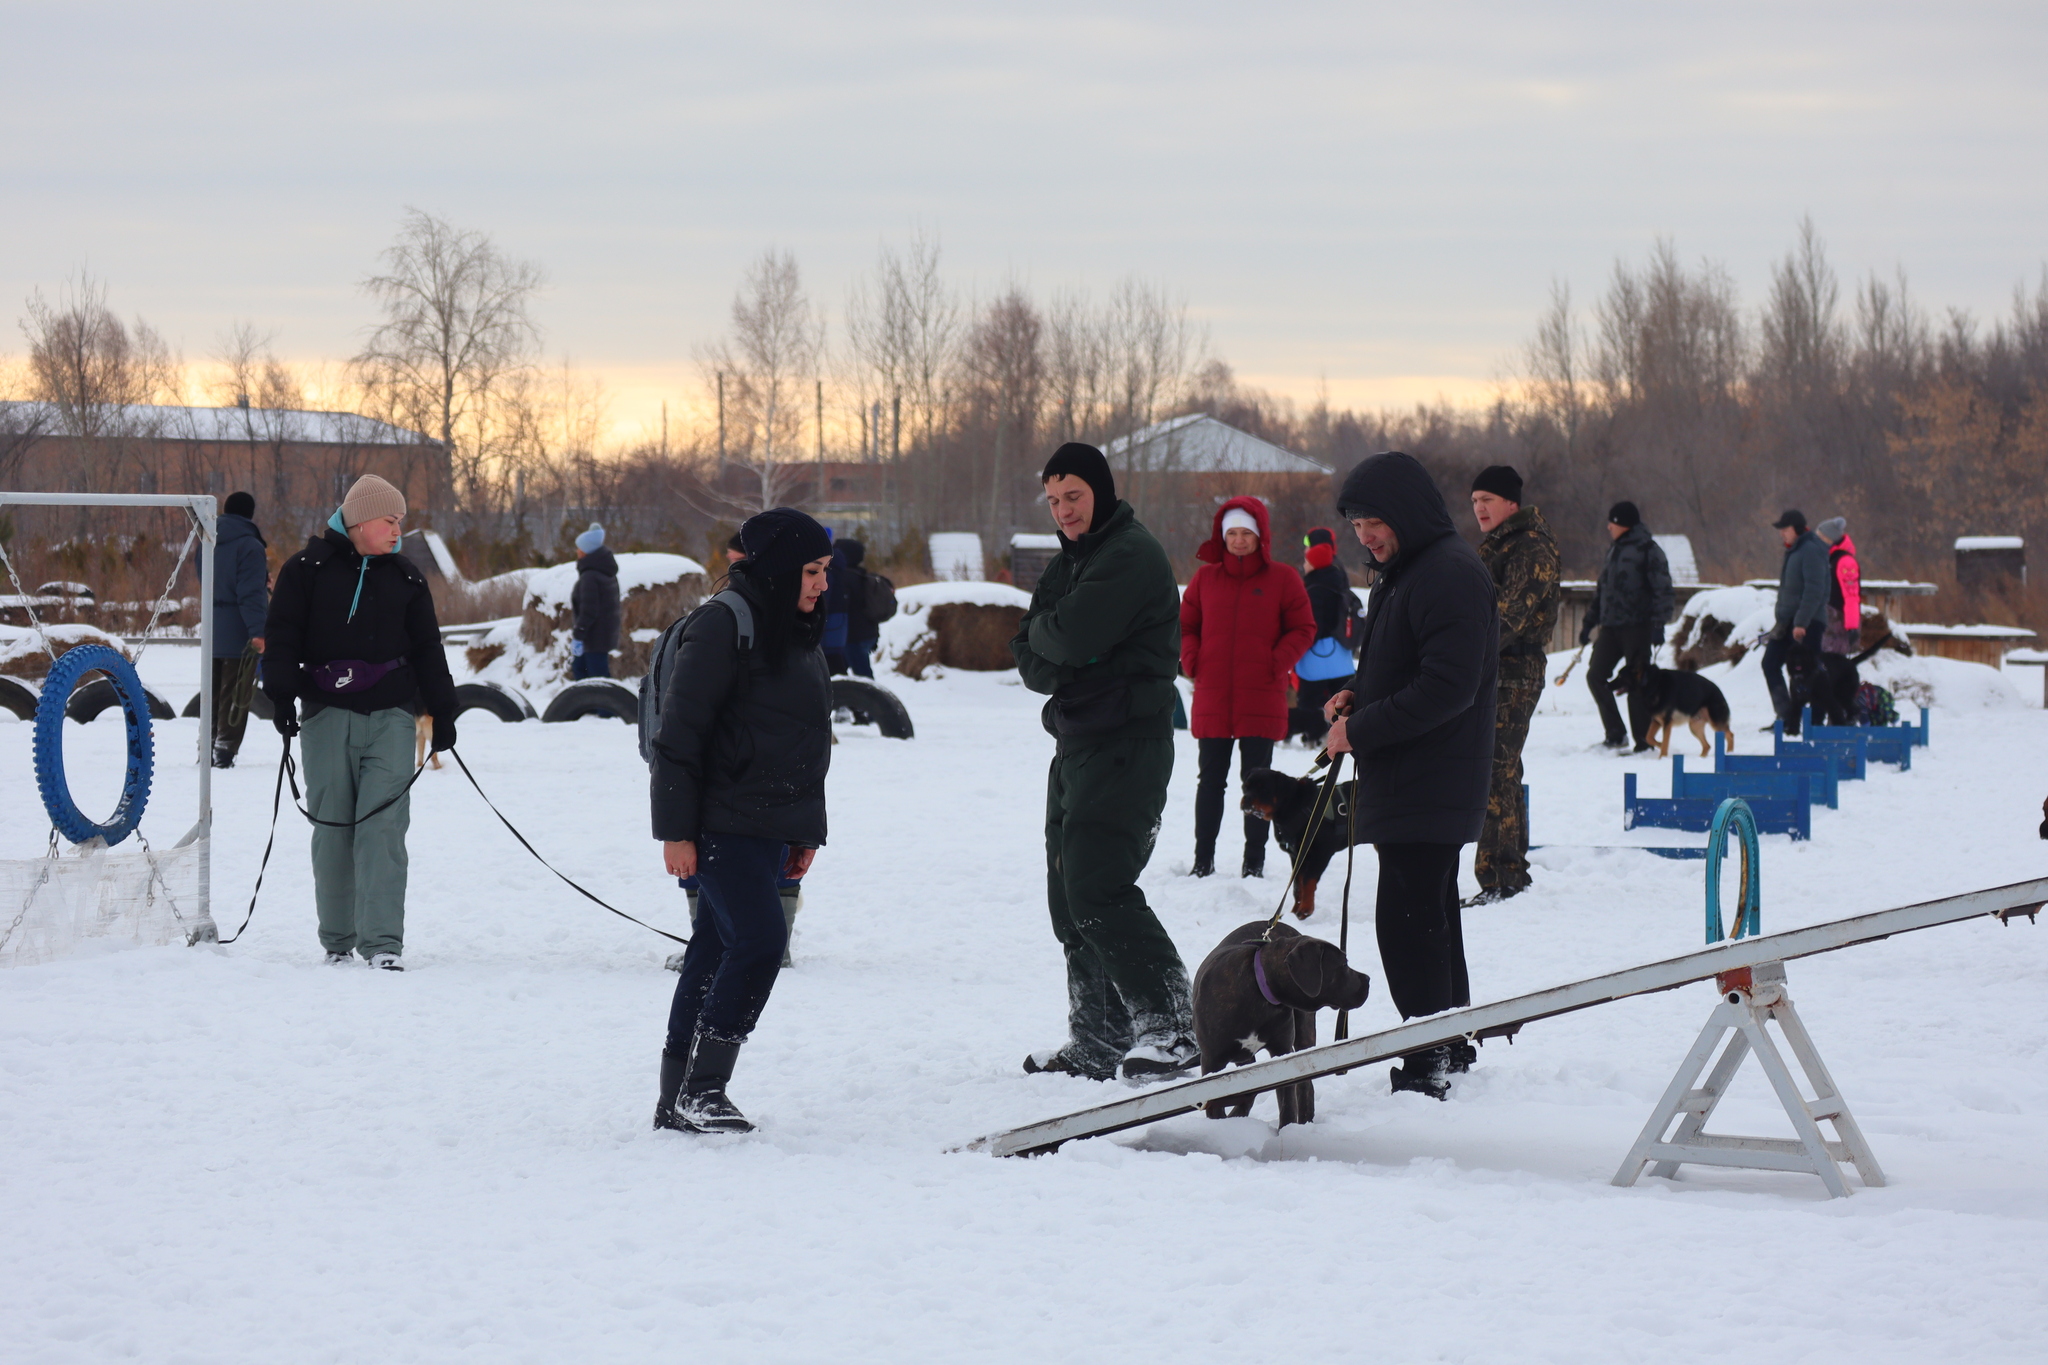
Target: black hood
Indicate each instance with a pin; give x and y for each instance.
(1397, 490)
(230, 526)
(598, 561)
(851, 552)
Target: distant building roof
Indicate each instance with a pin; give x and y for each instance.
(228, 424)
(1685, 569)
(1967, 543)
(1199, 444)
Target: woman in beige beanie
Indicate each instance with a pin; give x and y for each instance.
(352, 657)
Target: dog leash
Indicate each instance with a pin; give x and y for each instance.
(1324, 794)
(285, 768)
(595, 900)
(1344, 924)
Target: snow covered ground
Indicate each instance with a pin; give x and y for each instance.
(240, 1155)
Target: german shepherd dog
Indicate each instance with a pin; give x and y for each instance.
(1668, 696)
(1827, 682)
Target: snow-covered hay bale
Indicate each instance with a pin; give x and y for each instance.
(952, 625)
(22, 654)
(1721, 625)
(654, 589)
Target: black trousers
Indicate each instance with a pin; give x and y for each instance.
(1212, 784)
(234, 683)
(1776, 654)
(1628, 647)
(736, 941)
(1421, 934)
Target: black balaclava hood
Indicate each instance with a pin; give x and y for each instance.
(1396, 489)
(779, 542)
(1086, 463)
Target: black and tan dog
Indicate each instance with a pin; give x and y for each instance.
(1261, 989)
(1288, 804)
(1667, 696)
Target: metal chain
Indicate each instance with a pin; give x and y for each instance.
(27, 602)
(156, 879)
(49, 862)
(170, 586)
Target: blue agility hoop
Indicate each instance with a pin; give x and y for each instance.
(1749, 907)
(49, 744)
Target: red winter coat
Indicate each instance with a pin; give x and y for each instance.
(1244, 623)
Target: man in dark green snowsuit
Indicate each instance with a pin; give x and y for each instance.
(1103, 639)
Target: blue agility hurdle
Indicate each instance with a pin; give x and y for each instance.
(1793, 816)
(1747, 786)
(1850, 755)
(1881, 743)
(1827, 782)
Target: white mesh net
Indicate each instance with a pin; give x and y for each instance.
(92, 897)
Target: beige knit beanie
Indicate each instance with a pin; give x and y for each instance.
(369, 498)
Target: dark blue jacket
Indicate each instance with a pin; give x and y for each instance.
(241, 585)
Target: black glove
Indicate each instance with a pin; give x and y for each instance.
(284, 714)
(1586, 633)
(1657, 635)
(444, 733)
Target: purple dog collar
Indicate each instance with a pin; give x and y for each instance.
(1259, 975)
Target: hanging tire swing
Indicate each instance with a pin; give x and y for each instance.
(49, 744)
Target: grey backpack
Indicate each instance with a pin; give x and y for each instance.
(663, 658)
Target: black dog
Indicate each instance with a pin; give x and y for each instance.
(1827, 682)
(1255, 991)
(1287, 803)
(1668, 695)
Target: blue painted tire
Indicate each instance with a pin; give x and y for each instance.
(49, 745)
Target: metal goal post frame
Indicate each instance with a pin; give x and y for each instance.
(204, 510)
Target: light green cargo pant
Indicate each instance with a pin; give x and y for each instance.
(353, 765)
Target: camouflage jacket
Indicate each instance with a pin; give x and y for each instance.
(1522, 558)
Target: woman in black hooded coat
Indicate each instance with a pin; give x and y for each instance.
(738, 796)
(1418, 721)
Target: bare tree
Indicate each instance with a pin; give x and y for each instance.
(90, 366)
(770, 362)
(1004, 363)
(456, 330)
(1556, 361)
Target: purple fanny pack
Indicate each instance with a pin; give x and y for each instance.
(351, 675)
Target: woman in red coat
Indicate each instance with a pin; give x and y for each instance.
(1244, 621)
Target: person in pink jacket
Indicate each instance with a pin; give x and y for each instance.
(1845, 589)
(1244, 622)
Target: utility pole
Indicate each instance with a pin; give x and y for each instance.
(821, 429)
(664, 428)
(721, 422)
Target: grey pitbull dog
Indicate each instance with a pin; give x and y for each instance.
(1261, 988)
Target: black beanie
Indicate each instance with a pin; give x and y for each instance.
(1086, 463)
(783, 540)
(1501, 480)
(1319, 535)
(1624, 514)
(240, 505)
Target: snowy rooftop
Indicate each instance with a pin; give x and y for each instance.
(1991, 542)
(1199, 444)
(233, 424)
(1685, 570)
(1034, 540)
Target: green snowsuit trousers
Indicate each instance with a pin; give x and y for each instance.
(1126, 983)
(354, 763)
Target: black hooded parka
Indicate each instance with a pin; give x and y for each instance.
(1421, 724)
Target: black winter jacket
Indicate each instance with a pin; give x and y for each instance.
(1635, 583)
(847, 557)
(743, 747)
(330, 604)
(1331, 599)
(594, 602)
(241, 585)
(1421, 724)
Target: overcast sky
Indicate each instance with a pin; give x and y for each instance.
(1375, 195)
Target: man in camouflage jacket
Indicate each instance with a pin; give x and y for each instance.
(1523, 559)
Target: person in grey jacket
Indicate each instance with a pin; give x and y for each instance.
(1802, 608)
(241, 599)
(593, 607)
(1631, 607)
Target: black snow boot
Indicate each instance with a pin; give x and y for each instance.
(674, 1065)
(1255, 864)
(1424, 1072)
(705, 1107)
(1205, 859)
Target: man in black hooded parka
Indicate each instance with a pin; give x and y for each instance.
(1418, 720)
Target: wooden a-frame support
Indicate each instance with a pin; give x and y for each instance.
(1750, 999)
